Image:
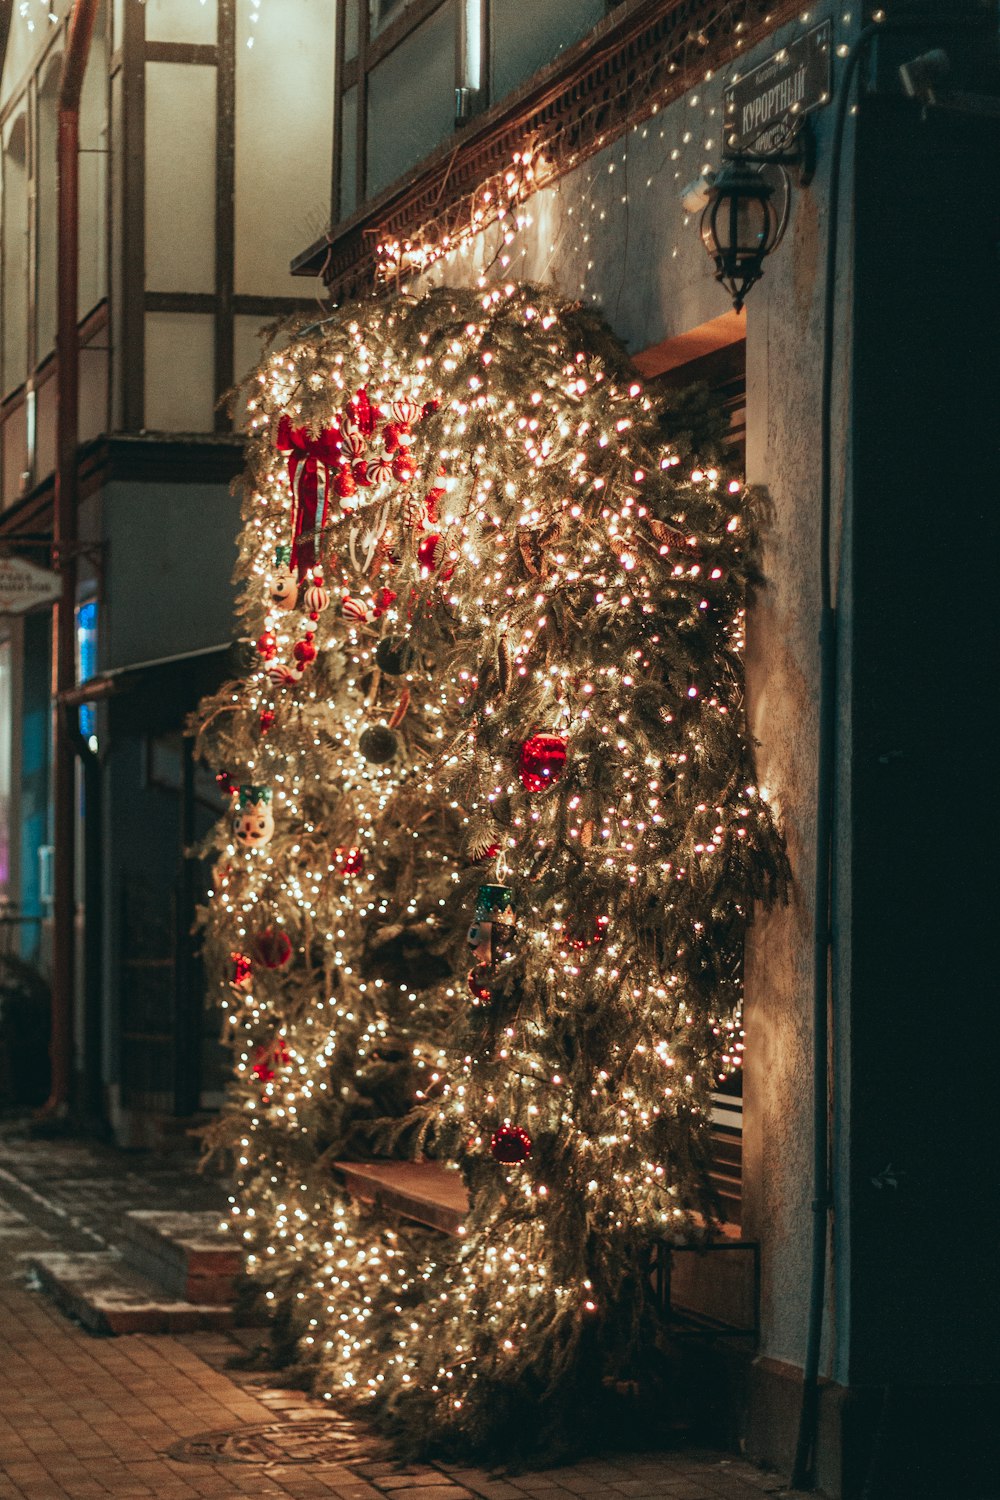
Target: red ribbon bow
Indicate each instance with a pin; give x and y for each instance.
(310, 461)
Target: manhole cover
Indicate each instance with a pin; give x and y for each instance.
(317, 1440)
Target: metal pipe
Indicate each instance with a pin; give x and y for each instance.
(81, 30)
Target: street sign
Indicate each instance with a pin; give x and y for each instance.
(763, 106)
(23, 586)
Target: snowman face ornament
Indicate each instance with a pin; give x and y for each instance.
(283, 588)
(253, 825)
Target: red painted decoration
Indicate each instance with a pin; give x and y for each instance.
(242, 972)
(575, 936)
(349, 861)
(541, 761)
(479, 984)
(266, 1059)
(273, 947)
(511, 1145)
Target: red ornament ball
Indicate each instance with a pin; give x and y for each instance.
(577, 937)
(267, 645)
(267, 718)
(541, 761)
(430, 554)
(403, 467)
(273, 947)
(349, 861)
(304, 652)
(511, 1145)
(344, 483)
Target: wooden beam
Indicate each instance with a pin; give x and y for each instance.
(729, 328)
(225, 206)
(130, 331)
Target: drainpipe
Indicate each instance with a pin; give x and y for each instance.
(81, 30)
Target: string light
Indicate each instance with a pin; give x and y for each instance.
(585, 586)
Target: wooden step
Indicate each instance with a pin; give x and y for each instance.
(187, 1254)
(421, 1190)
(108, 1297)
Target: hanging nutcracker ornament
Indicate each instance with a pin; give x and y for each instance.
(282, 584)
(253, 825)
(491, 936)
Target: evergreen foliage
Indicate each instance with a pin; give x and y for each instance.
(544, 551)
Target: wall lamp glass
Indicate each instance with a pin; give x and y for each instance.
(747, 210)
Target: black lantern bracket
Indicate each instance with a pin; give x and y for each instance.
(798, 150)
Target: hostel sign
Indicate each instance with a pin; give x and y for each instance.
(23, 586)
(763, 106)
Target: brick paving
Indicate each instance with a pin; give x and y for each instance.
(83, 1416)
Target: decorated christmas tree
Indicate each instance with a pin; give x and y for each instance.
(496, 841)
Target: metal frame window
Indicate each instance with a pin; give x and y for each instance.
(411, 71)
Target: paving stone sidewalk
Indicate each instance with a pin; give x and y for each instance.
(158, 1416)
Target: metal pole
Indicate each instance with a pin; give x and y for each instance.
(81, 29)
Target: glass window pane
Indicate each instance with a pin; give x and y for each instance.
(524, 37)
(348, 153)
(351, 30)
(411, 99)
(381, 12)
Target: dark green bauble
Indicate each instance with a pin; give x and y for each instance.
(378, 745)
(395, 655)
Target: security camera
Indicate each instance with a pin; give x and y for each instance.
(696, 195)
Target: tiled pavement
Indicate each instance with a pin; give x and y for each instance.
(83, 1416)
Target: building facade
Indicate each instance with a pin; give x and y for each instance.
(447, 140)
(190, 200)
(575, 132)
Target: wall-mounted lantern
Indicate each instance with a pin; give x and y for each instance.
(743, 220)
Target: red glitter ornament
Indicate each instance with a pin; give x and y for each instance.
(267, 718)
(541, 761)
(403, 467)
(304, 651)
(273, 947)
(349, 861)
(267, 645)
(511, 1145)
(344, 483)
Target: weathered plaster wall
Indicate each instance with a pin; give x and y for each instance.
(614, 231)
